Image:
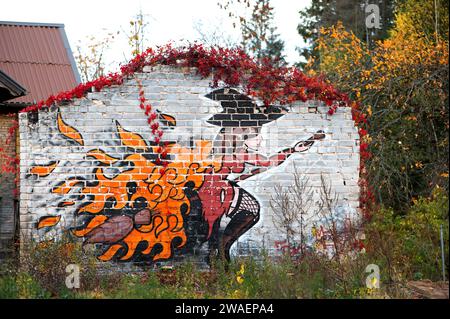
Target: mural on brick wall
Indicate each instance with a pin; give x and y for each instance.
(149, 213)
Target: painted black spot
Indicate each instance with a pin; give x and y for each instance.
(139, 204)
(140, 247)
(189, 185)
(33, 117)
(131, 188)
(158, 248)
(108, 209)
(176, 242)
(184, 209)
(110, 203)
(150, 156)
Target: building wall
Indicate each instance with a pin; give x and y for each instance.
(91, 165)
(7, 186)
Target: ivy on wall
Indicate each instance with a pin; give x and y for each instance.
(230, 67)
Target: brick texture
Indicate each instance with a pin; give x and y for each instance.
(7, 186)
(241, 156)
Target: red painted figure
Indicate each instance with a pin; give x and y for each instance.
(220, 194)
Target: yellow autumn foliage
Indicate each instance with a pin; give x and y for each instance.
(354, 68)
(401, 84)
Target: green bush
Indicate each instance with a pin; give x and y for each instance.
(8, 287)
(46, 262)
(21, 286)
(408, 245)
(148, 286)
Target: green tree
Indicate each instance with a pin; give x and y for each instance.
(274, 48)
(402, 84)
(327, 13)
(259, 34)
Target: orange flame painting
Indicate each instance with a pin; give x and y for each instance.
(48, 221)
(43, 170)
(155, 197)
(68, 131)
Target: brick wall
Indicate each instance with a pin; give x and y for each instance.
(7, 185)
(91, 165)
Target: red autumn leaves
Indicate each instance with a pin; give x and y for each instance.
(232, 67)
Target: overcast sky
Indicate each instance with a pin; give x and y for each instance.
(169, 19)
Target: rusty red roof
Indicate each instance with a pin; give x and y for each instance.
(39, 57)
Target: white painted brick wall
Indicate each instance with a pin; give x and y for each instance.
(181, 93)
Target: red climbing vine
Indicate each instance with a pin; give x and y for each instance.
(154, 126)
(231, 67)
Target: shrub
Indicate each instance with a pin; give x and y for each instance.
(8, 287)
(46, 263)
(408, 245)
(148, 286)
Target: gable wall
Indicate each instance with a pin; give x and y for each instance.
(179, 93)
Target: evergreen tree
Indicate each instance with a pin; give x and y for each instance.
(326, 13)
(259, 35)
(274, 48)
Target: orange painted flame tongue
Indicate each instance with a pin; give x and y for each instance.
(43, 170)
(48, 221)
(69, 131)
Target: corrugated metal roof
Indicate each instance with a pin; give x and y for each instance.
(39, 57)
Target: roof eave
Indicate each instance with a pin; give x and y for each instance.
(70, 55)
(33, 24)
(16, 90)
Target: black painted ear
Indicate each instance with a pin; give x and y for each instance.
(239, 110)
(227, 94)
(167, 120)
